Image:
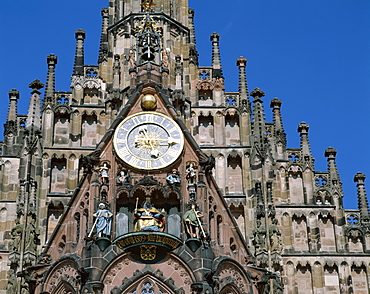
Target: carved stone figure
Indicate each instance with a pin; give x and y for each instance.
(131, 59)
(192, 222)
(123, 178)
(11, 288)
(148, 218)
(191, 174)
(104, 221)
(259, 234)
(275, 237)
(31, 237)
(173, 178)
(16, 236)
(165, 54)
(104, 173)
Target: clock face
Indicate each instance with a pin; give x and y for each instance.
(148, 140)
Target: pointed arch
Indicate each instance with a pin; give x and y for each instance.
(231, 276)
(64, 287)
(63, 275)
(124, 274)
(146, 284)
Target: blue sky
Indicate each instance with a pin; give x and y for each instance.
(313, 55)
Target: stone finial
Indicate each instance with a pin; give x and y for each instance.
(305, 143)
(276, 106)
(79, 56)
(278, 122)
(50, 80)
(303, 128)
(259, 126)
(12, 112)
(193, 53)
(241, 62)
(216, 59)
(330, 153)
(363, 204)
(33, 117)
(36, 85)
(10, 127)
(257, 94)
(191, 25)
(103, 50)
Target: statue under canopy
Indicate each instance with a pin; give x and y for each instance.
(148, 218)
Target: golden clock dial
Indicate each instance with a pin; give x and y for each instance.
(148, 140)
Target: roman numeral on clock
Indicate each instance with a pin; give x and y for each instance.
(148, 164)
(133, 161)
(124, 152)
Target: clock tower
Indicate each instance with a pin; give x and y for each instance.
(147, 177)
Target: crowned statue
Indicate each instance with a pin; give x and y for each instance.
(148, 218)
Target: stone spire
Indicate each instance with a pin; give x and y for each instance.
(330, 153)
(278, 122)
(216, 59)
(50, 80)
(363, 204)
(103, 51)
(12, 111)
(33, 122)
(241, 62)
(305, 144)
(10, 127)
(79, 56)
(259, 125)
(193, 53)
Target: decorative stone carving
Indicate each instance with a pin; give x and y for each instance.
(66, 272)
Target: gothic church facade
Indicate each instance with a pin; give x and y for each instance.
(148, 177)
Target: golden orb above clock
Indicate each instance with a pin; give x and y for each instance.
(148, 102)
(148, 140)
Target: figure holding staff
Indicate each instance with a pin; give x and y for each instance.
(103, 222)
(193, 223)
